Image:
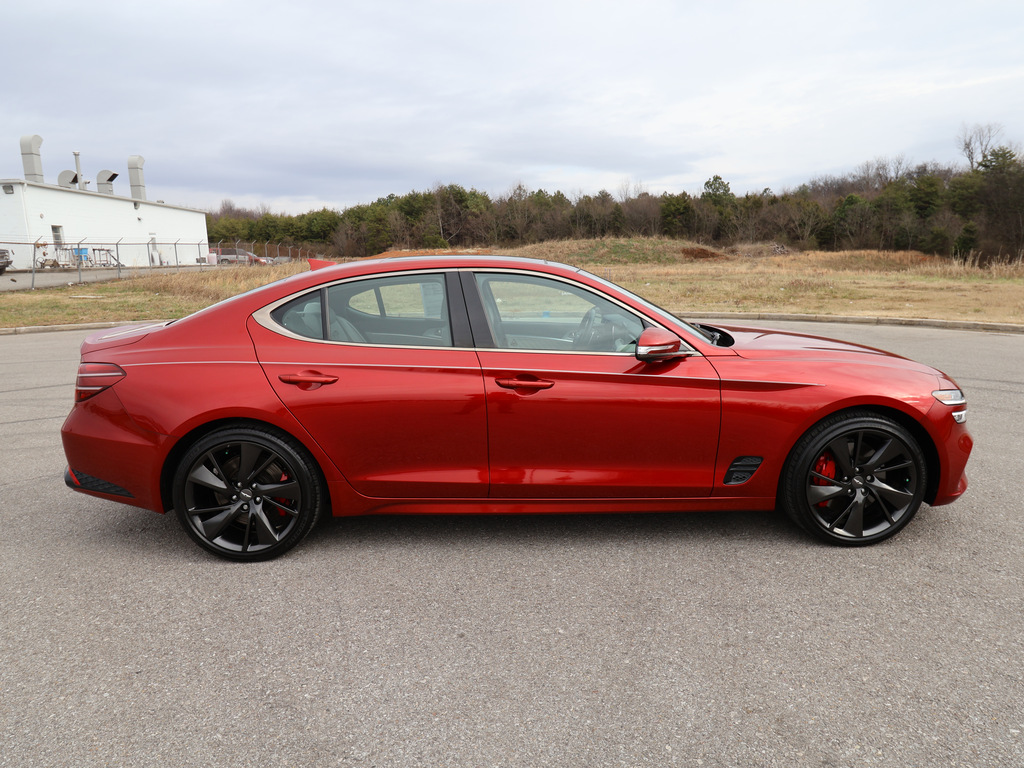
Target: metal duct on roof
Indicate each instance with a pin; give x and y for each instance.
(136, 178)
(31, 159)
(105, 182)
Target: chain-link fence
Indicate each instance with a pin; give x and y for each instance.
(89, 254)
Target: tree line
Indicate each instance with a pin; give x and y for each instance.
(885, 204)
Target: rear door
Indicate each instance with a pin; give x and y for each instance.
(381, 373)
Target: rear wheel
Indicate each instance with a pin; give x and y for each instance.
(854, 478)
(247, 493)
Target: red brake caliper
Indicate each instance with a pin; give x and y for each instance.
(826, 466)
(281, 512)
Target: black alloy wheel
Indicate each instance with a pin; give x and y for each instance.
(855, 478)
(247, 493)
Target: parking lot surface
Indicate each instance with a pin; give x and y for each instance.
(657, 640)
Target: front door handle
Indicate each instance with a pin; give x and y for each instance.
(307, 380)
(531, 384)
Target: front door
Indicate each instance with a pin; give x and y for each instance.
(571, 411)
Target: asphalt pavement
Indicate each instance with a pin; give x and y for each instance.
(635, 640)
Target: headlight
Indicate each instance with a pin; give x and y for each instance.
(949, 396)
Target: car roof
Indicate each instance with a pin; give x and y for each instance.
(446, 261)
(319, 275)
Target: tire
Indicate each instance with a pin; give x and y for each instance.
(853, 479)
(247, 493)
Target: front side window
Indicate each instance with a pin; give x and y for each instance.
(538, 313)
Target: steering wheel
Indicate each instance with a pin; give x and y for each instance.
(585, 332)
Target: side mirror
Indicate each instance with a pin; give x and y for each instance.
(657, 344)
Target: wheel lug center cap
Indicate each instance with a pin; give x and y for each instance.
(246, 494)
(858, 482)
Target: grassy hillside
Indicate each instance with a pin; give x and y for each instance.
(684, 277)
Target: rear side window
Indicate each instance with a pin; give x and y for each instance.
(421, 297)
(302, 316)
(399, 310)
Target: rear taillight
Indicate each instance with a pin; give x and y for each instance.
(93, 378)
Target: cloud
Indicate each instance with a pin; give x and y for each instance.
(338, 104)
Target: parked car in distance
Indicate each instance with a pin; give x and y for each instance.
(6, 259)
(229, 256)
(484, 384)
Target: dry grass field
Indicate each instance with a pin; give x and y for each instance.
(683, 277)
(755, 279)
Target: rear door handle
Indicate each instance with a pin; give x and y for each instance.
(307, 380)
(531, 384)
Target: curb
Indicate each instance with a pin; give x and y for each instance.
(951, 325)
(71, 327)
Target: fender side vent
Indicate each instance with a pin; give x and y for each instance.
(742, 469)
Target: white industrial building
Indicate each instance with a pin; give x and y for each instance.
(66, 224)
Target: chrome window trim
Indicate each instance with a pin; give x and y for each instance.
(262, 315)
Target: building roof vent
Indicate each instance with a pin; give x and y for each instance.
(136, 178)
(31, 159)
(105, 182)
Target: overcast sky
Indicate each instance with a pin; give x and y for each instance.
(301, 104)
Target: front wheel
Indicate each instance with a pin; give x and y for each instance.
(247, 493)
(854, 478)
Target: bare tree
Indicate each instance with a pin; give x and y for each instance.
(643, 215)
(228, 210)
(875, 175)
(517, 212)
(625, 188)
(399, 227)
(975, 142)
(629, 189)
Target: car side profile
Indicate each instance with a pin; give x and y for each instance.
(483, 384)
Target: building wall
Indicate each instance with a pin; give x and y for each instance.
(146, 230)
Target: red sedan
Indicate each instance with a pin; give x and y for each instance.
(482, 384)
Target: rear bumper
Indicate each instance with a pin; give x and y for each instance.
(79, 481)
(110, 456)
